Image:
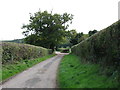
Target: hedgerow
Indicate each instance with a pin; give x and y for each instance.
(102, 48)
(12, 52)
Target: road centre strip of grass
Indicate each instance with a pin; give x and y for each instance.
(74, 74)
(9, 70)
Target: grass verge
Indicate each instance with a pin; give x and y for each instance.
(9, 70)
(74, 74)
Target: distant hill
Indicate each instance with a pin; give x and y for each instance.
(15, 41)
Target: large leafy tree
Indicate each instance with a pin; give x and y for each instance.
(71, 34)
(46, 29)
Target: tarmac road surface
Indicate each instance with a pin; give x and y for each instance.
(42, 75)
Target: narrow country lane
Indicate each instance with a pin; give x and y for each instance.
(42, 75)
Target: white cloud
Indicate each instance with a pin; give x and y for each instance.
(88, 14)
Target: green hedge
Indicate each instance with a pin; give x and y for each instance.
(103, 47)
(14, 52)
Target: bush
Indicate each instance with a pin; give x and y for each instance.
(102, 47)
(14, 52)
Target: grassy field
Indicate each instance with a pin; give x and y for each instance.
(9, 70)
(73, 74)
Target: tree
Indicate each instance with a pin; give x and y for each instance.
(47, 29)
(76, 39)
(70, 34)
(92, 32)
(83, 37)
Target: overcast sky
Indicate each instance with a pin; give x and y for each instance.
(88, 14)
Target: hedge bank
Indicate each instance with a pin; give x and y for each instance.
(15, 52)
(103, 48)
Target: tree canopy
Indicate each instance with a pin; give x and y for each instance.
(92, 32)
(46, 29)
(75, 40)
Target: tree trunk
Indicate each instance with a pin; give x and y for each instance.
(52, 47)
